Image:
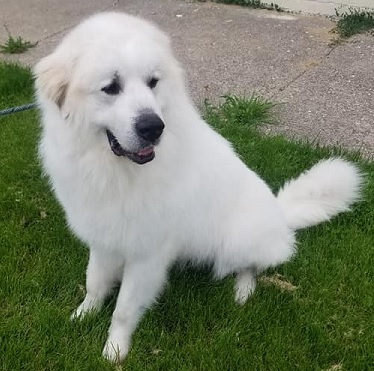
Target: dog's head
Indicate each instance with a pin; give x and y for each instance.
(113, 75)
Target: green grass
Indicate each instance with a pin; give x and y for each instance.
(16, 85)
(255, 4)
(253, 109)
(354, 21)
(328, 320)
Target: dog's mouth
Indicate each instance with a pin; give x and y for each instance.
(140, 157)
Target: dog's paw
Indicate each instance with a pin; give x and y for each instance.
(79, 313)
(115, 351)
(244, 287)
(88, 305)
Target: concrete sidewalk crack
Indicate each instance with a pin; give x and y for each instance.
(302, 73)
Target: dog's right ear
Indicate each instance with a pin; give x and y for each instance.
(52, 76)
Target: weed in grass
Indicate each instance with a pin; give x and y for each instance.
(354, 21)
(16, 45)
(313, 313)
(248, 111)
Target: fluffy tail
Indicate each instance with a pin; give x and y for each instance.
(327, 189)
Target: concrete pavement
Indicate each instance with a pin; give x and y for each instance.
(327, 91)
(323, 7)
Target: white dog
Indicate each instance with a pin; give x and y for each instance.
(144, 181)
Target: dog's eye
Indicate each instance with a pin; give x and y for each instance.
(113, 88)
(152, 82)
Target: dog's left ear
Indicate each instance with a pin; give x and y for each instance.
(52, 76)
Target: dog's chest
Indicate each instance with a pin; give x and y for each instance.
(108, 208)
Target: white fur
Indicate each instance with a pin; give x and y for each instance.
(196, 200)
(328, 188)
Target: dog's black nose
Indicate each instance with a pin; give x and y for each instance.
(149, 126)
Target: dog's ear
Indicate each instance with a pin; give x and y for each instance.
(52, 76)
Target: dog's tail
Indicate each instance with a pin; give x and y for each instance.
(328, 188)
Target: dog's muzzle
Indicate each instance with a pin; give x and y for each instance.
(148, 127)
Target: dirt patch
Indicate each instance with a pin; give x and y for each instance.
(337, 367)
(324, 34)
(277, 280)
(308, 65)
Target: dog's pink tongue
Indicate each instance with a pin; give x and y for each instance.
(145, 151)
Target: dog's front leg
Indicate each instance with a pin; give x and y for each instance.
(102, 272)
(142, 281)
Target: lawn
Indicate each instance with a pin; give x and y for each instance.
(355, 21)
(322, 320)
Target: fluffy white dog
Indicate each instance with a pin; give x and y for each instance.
(144, 181)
